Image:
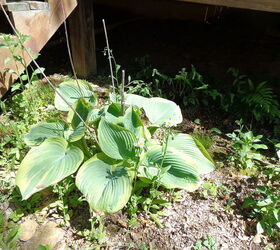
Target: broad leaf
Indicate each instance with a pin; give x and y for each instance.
(46, 165)
(71, 92)
(132, 121)
(106, 185)
(83, 109)
(113, 112)
(181, 169)
(42, 131)
(187, 145)
(116, 141)
(157, 110)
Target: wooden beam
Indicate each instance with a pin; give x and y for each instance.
(81, 24)
(40, 25)
(262, 5)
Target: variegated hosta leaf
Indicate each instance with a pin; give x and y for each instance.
(157, 110)
(115, 141)
(132, 121)
(187, 145)
(76, 134)
(71, 92)
(42, 131)
(106, 185)
(179, 170)
(46, 165)
(113, 112)
(94, 115)
(82, 108)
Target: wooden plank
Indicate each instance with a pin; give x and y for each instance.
(81, 23)
(40, 25)
(263, 5)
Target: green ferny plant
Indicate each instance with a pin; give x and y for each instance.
(122, 148)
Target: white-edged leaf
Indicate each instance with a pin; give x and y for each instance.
(42, 131)
(106, 185)
(187, 145)
(71, 92)
(115, 141)
(46, 165)
(181, 170)
(157, 110)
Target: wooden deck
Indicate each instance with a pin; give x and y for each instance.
(262, 5)
(40, 24)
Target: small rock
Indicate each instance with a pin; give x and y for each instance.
(49, 234)
(257, 239)
(28, 229)
(62, 246)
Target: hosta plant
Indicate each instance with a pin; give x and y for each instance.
(123, 148)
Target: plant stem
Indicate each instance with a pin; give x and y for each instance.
(92, 133)
(69, 50)
(122, 91)
(109, 56)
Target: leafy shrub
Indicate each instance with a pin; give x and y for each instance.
(122, 149)
(246, 146)
(266, 209)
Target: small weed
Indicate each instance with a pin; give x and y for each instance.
(9, 233)
(208, 241)
(245, 146)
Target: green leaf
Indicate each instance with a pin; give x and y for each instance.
(132, 121)
(46, 165)
(181, 169)
(42, 131)
(106, 185)
(7, 60)
(83, 108)
(116, 141)
(157, 110)
(187, 145)
(94, 116)
(113, 112)
(24, 77)
(71, 92)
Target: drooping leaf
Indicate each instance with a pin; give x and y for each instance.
(46, 165)
(106, 185)
(181, 169)
(42, 131)
(113, 112)
(94, 115)
(157, 110)
(82, 108)
(115, 141)
(75, 134)
(132, 121)
(187, 145)
(71, 92)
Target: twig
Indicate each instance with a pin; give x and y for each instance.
(122, 91)
(44, 75)
(69, 50)
(109, 56)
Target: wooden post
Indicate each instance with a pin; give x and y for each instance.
(81, 24)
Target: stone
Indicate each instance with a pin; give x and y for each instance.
(62, 246)
(28, 229)
(257, 239)
(49, 234)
